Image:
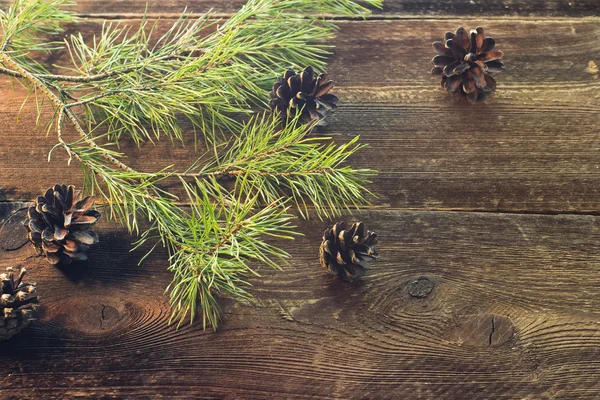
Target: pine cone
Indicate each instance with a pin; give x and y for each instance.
(60, 225)
(17, 303)
(464, 61)
(303, 93)
(346, 252)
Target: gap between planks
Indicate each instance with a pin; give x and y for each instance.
(385, 207)
(330, 17)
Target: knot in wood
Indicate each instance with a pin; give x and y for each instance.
(12, 233)
(421, 287)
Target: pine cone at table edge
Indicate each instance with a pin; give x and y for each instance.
(464, 62)
(17, 303)
(294, 92)
(60, 225)
(346, 251)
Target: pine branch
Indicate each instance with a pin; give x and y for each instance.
(127, 83)
(281, 162)
(214, 256)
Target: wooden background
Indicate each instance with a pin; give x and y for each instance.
(489, 282)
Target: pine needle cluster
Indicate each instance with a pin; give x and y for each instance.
(142, 86)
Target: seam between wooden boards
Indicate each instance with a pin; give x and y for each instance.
(383, 207)
(393, 17)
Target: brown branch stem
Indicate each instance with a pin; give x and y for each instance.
(10, 72)
(37, 83)
(86, 78)
(226, 173)
(91, 99)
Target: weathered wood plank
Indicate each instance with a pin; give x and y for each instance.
(533, 147)
(391, 8)
(511, 312)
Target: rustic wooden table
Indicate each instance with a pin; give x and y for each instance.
(489, 280)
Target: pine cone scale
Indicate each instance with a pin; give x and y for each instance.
(70, 246)
(450, 69)
(469, 85)
(85, 237)
(306, 77)
(50, 247)
(453, 83)
(36, 225)
(442, 61)
(495, 66)
(457, 50)
(490, 82)
(53, 258)
(479, 37)
(491, 56)
(83, 205)
(441, 49)
(488, 44)
(85, 219)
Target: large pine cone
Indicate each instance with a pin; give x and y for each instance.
(17, 303)
(346, 252)
(60, 225)
(294, 93)
(464, 61)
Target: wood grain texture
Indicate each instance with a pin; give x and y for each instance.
(391, 8)
(512, 313)
(532, 148)
(461, 305)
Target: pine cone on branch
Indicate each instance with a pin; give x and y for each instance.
(464, 62)
(17, 303)
(305, 94)
(346, 251)
(60, 225)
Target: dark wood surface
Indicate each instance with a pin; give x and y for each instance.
(489, 281)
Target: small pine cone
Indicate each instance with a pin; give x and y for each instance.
(17, 303)
(60, 225)
(346, 252)
(464, 61)
(303, 93)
